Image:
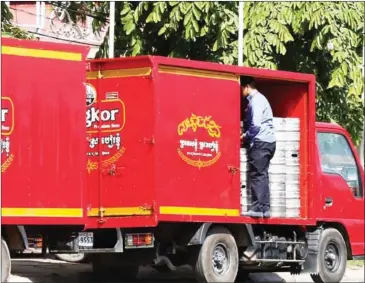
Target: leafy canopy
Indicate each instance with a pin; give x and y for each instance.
(324, 38)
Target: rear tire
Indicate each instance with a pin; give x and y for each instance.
(332, 257)
(218, 257)
(74, 258)
(5, 261)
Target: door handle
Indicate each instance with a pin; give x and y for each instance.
(328, 201)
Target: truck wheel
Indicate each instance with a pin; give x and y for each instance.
(5, 261)
(74, 258)
(332, 257)
(218, 257)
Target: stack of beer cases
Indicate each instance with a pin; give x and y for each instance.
(284, 171)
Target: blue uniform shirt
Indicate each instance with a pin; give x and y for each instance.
(259, 119)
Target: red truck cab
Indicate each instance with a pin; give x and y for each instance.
(341, 183)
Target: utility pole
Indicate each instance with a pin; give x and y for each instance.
(362, 144)
(240, 32)
(111, 28)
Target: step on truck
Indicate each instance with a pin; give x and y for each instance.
(157, 175)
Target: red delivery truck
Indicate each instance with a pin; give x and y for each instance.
(158, 175)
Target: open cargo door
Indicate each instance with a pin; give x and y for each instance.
(119, 129)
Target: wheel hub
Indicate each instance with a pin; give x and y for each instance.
(220, 259)
(331, 257)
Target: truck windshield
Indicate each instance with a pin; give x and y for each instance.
(337, 158)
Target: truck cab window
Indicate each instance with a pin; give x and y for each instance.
(337, 158)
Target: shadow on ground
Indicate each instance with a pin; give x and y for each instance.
(52, 271)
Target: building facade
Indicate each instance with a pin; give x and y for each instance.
(53, 23)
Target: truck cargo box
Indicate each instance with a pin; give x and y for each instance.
(163, 140)
(43, 151)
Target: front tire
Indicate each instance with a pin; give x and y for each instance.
(218, 257)
(332, 257)
(5, 261)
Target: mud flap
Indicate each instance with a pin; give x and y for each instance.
(311, 263)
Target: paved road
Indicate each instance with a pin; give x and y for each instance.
(52, 271)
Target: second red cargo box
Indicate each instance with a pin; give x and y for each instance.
(43, 132)
(166, 146)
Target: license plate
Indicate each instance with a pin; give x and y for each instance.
(86, 240)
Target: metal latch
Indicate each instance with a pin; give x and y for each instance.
(101, 215)
(113, 170)
(101, 211)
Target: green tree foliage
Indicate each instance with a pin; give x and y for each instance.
(195, 30)
(7, 29)
(324, 38)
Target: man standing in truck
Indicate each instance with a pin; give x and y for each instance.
(260, 139)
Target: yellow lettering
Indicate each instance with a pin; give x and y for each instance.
(214, 130)
(195, 122)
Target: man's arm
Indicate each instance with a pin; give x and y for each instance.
(255, 113)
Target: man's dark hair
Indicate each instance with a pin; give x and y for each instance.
(247, 81)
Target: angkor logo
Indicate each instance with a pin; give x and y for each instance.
(203, 149)
(7, 127)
